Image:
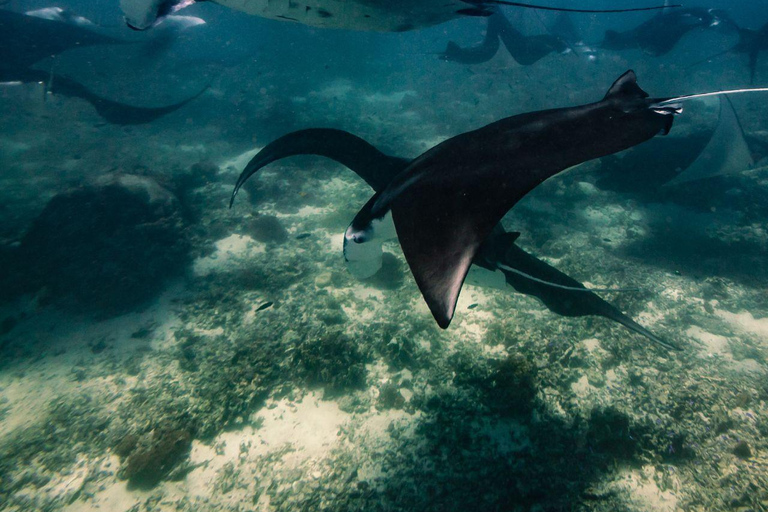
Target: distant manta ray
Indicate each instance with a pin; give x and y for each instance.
(26, 39)
(499, 262)
(526, 50)
(659, 35)
(751, 43)
(376, 15)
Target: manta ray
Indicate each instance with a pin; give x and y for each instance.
(445, 204)
(500, 263)
(525, 50)
(372, 15)
(659, 35)
(27, 39)
(752, 43)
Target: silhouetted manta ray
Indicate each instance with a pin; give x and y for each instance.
(503, 262)
(112, 111)
(660, 34)
(25, 40)
(752, 42)
(377, 15)
(446, 202)
(526, 50)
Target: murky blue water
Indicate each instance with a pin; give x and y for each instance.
(160, 350)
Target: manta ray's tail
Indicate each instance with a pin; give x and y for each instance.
(558, 291)
(639, 329)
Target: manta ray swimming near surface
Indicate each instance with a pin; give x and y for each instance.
(375, 15)
(27, 39)
(444, 205)
(500, 263)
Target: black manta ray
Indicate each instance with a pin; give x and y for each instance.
(659, 35)
(526, 50)
(500, 263)
(752, 43)
(26, 39)
(445, 203)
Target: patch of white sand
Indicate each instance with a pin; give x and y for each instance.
(66, 343)
(747, 323)
(239, 162)
(714, 344)
(229, 251)
(334, 89)
(367, 305)
(301, 433)
(473, 323)
(394, 97)
(645, 492)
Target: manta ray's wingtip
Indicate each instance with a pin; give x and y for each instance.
(442, 318)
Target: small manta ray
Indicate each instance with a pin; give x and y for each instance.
(445, 204)
(525, 50)
(26, 39)
(375, 15)
(659, 35)
(752, 42)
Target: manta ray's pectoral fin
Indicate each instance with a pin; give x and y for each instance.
(440, 232)
(726, 152)
(373, 166)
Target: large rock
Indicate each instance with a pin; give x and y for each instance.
(107, 247)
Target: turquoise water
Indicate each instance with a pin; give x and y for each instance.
(162, 351)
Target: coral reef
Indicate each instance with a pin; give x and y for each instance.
(106, 248)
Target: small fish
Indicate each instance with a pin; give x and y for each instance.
(472, 306)
(264, 306)
(303, 236)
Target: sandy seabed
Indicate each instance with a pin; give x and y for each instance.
(266, 378)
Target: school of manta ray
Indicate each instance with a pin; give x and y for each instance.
(444, 206)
